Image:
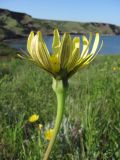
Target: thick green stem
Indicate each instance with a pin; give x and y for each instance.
(60, 91)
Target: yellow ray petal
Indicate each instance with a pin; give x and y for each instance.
(56, 41)
(30, 37)
(65, 50)
(75, 54)
(86, 45)
(96, 42)
(40, 52)
(40, 38)
(37, 53)
(44, 55)
(38, 56)
(33, 47)
(84, 55)
(93, 55)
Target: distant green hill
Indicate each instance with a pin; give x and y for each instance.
(14, 25)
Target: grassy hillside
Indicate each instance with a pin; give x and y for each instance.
(91, 125)
(14, 24)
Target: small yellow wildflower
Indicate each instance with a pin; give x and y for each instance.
(40, 126)
(49, 134)
(33, 118)
(116, 68)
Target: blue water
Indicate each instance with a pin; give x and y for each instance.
(111, 44)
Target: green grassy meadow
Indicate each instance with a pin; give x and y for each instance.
(91, 124)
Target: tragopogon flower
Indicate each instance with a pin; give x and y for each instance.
(65, 58)
(49, 134)
(33, 118)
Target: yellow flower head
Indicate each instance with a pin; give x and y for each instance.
(116, 68)
(40, 126)
(49, 134)
(65, 58)
(33, 118)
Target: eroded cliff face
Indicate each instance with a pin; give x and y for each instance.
(15, 25)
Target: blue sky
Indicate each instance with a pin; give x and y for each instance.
(74, 10)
